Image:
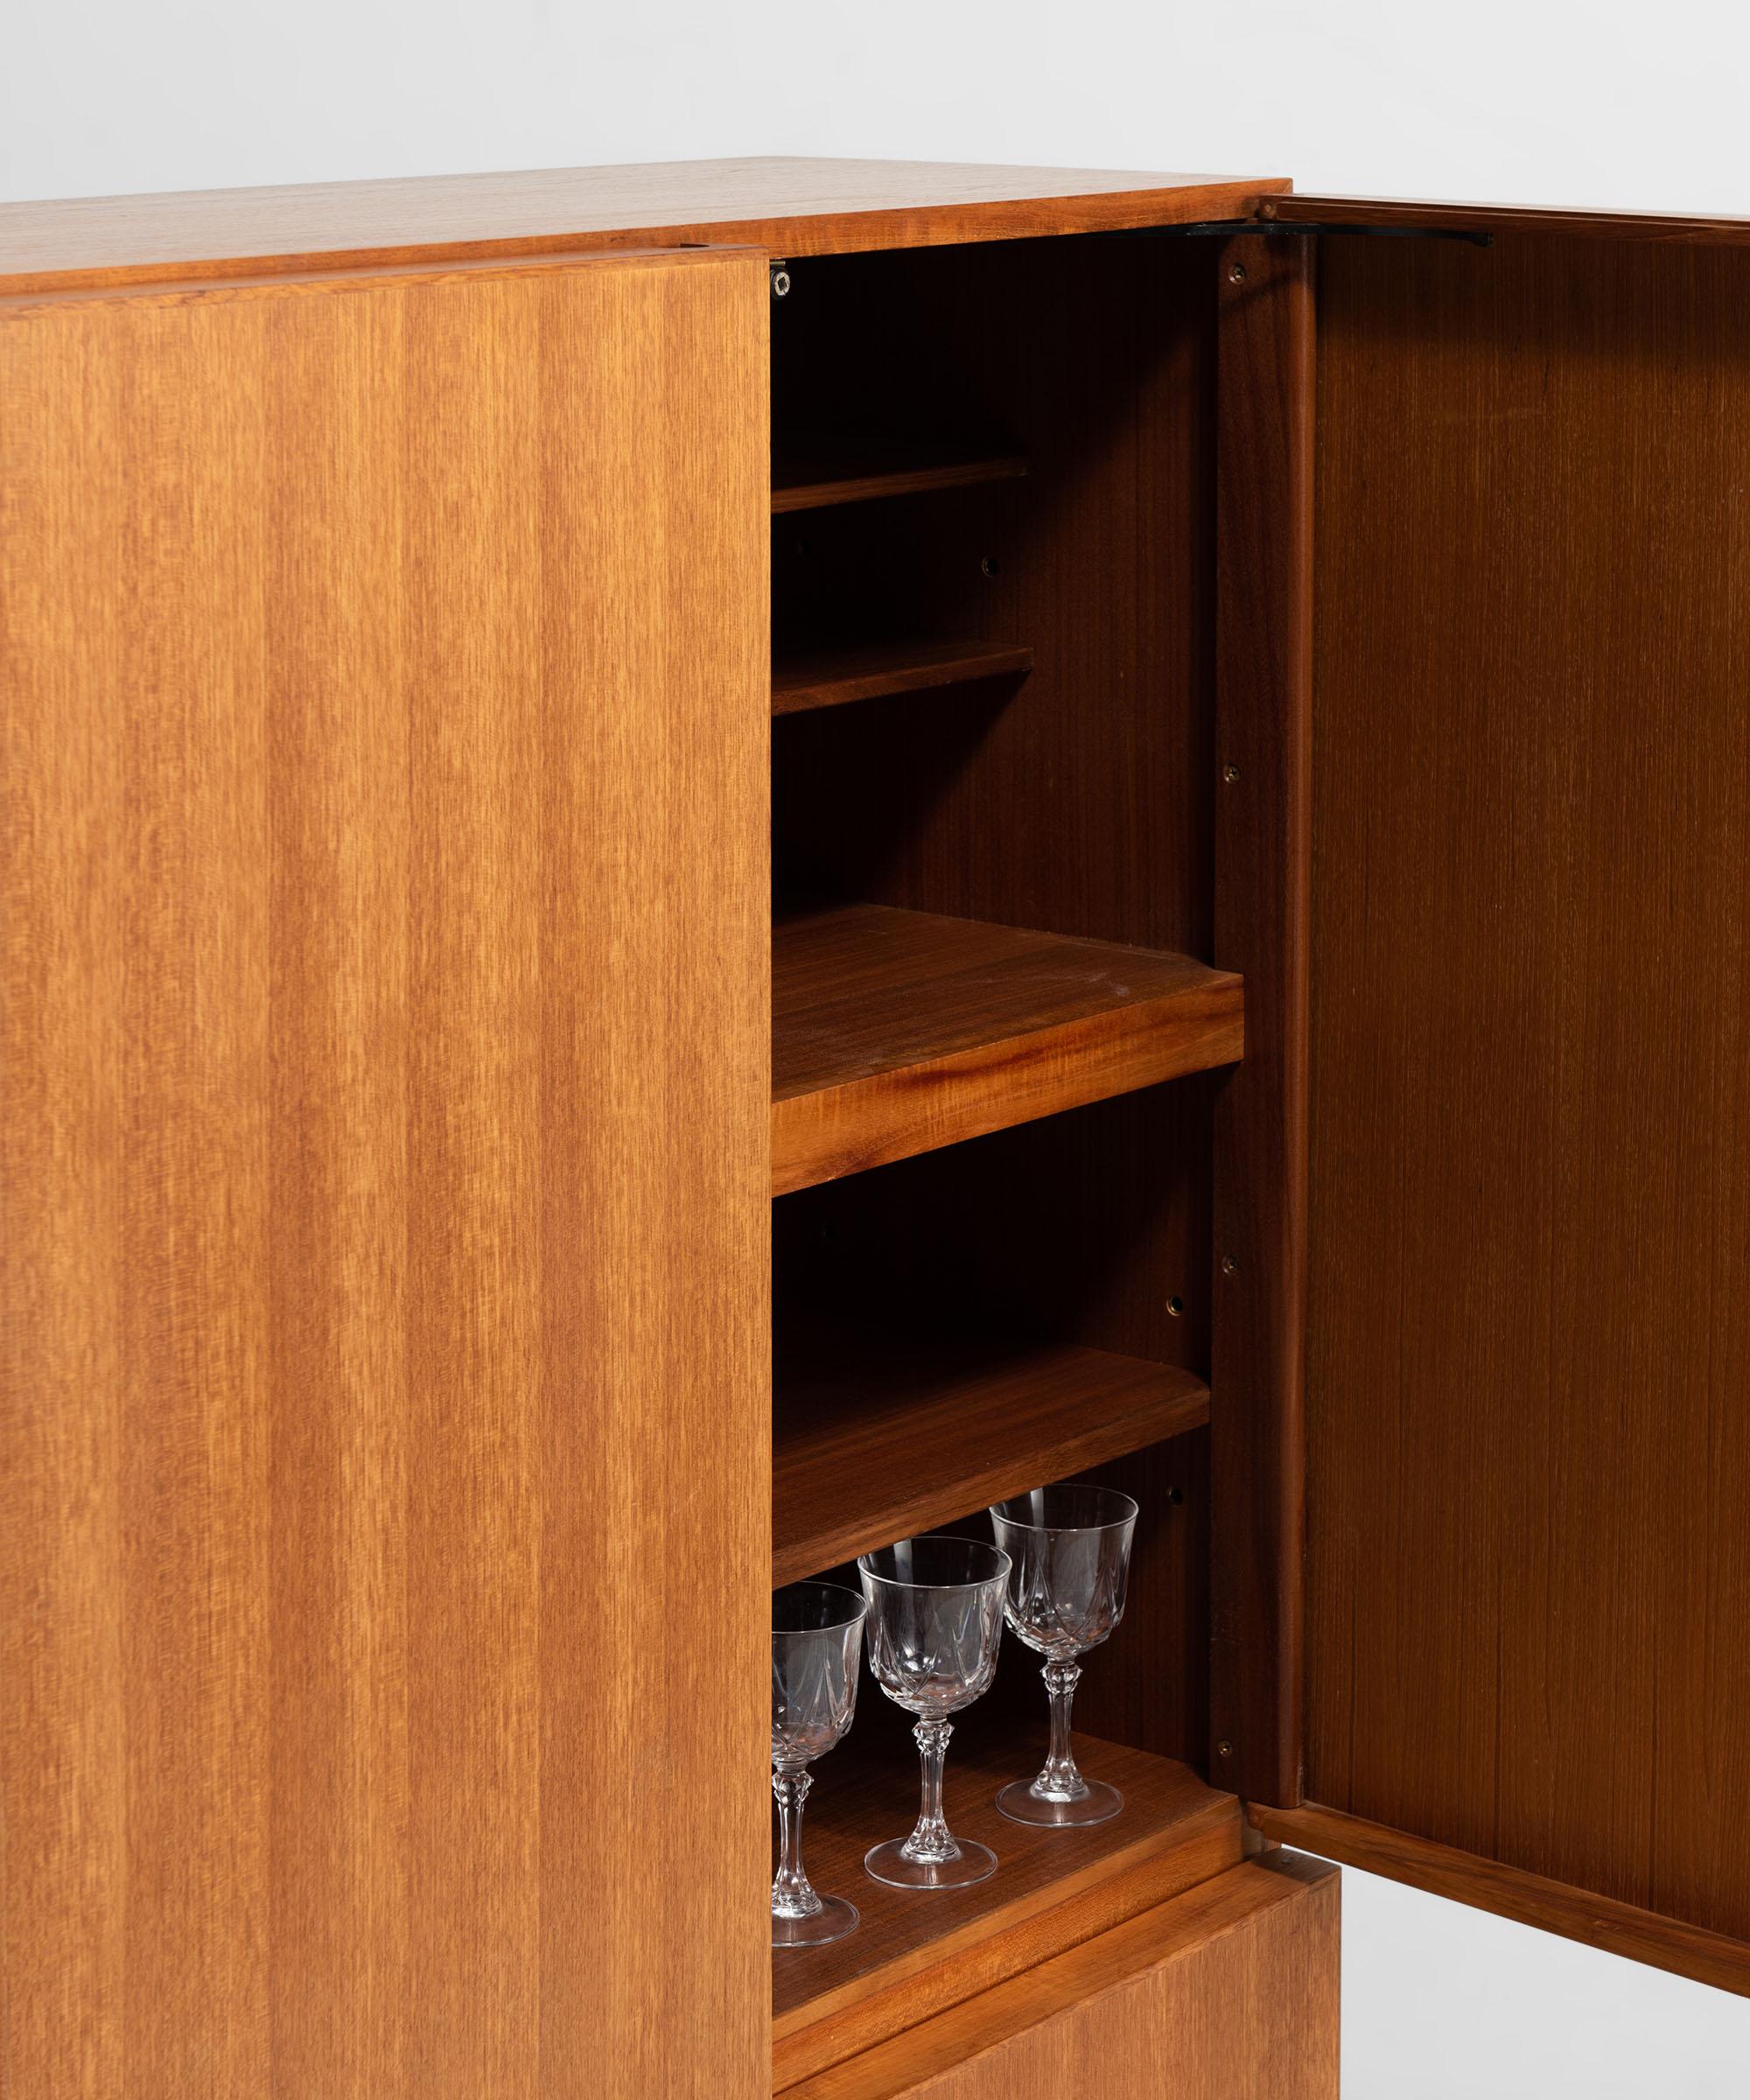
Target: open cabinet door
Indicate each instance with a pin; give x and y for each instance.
(1527, 1378)
(384, 1483)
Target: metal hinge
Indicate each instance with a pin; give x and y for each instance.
(1225, 228)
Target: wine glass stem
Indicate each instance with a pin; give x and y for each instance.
(792, 1895)
(930, 1840)
(1060, 1780)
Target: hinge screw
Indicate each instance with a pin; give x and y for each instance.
(1224, 1749)
(1229, 1264)
(1230, 773)
(780, 281)
(1236, 273)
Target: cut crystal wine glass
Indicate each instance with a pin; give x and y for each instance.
(1070, 1555)
(817, 1635)
(935, 1624)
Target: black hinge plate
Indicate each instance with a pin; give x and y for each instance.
(1223, 229)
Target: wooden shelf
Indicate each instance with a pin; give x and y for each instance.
(875, 1440)
(913, 1955)
(830, 681)
(816, 484)
(898, 1031)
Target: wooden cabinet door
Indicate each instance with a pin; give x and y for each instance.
(1528, 1375)
(383, 1510)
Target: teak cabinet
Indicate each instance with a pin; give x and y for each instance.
(1238, 701)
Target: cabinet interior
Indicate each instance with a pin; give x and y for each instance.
(993, 632)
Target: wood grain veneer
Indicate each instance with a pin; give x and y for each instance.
(1710, 1957)
(898, 1031)
(1263, 796)
(1528, 1474)
(831, 678)
(876, 1440)
(790, 206)
(1229, 1992)
(385, 855)
(908, 1960)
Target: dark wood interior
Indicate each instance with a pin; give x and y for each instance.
(1076, 800)
(1529, 1491)
(995, 1018)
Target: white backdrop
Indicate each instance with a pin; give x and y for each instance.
(1533, 100)
(1613, 102)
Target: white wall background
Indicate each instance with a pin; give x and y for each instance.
(1535, 101)
(1442, 2003)
(1610, 103)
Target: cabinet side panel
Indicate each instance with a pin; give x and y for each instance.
(384, 678)
(1528, 1426)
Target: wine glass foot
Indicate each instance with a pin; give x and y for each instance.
(888, 1863)
(831, 1921)
(1021, 1804)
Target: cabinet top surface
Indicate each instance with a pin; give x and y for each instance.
(790, 206)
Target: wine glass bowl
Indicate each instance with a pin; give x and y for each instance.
(935, 1624)
(1069, 1553)
(817, 1638)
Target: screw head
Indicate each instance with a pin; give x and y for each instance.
(1230, 773)
(1236, 273)
(1229, 1264)
(1224, 1749)
(780, 283)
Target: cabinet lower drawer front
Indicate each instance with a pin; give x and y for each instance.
(1228, 1993)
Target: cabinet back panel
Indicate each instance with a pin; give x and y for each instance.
(1528, 1420)
(1149, 1685)
(1090, 1227)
